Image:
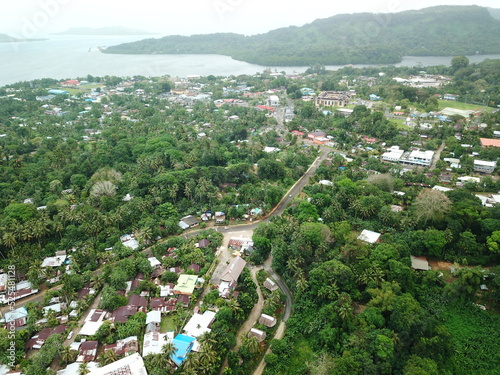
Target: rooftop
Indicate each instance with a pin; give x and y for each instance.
(185, 284)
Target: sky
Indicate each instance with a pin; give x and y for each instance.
(37, 18)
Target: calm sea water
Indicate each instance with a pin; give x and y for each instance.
(76, 56)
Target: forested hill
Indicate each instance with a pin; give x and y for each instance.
(346, 39)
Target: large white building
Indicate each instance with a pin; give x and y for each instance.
(393, 154)
(417, 157)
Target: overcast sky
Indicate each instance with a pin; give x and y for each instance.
(31, 18)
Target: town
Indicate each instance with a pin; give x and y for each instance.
(266, 223)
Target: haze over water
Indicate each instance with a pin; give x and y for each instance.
(76, 56)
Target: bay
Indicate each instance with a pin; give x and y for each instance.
(69, 56)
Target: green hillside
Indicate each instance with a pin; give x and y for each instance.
(346, 39)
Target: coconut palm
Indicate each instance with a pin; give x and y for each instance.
(83, 369)
(107, 357)
(67, 355)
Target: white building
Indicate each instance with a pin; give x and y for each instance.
(393, 154)
(274, 101)
(417, 157)
(482, 166)
(369, 236)
(199, 323)
(154, 341)
(130, 365)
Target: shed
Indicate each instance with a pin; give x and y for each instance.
(271, 285)
(369, 236)
(419, 263)
(261, 335)
(267, 320)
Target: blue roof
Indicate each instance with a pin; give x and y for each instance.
(183, 345)
(57, 92)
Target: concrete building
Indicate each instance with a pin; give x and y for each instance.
(482, 166)
(332, 98)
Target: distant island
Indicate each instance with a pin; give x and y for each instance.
(362, 38)
(111, 30)
(4, 38)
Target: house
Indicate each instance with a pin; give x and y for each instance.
(489, 142)
(166, 290)
(316, 135)
(195, 267)
(126, 346)
(155, 263)
(267, 320)
(188, 222)
(54, 262)
(37, 341)
(153, 320)
(87, 351)
(332, 98)
(229, 278)
(185, 284)
(233, 270)
(129, 365)
(22, 289)
(260, 335)
(298, 133)
(199, 324)
(271, 285)
(122, 313)
(16, 318)
(137, 301)
(183, 345)
(203, 243)
(269, 150)
(482, 166)
(220, 217)
(92, 322)
(374, 97)
(130, 241)
(163, 306)
(273, 101)
(154, 342)
(450, 97)
(183, 300)
(369, 236)
(70, 82)
(419, 263)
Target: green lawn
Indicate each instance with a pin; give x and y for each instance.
(400, 124)
(81, 89)
(167, 323)
(462, 106)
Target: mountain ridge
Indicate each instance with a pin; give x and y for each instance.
(346, 39)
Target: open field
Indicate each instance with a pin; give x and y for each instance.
(462, 106)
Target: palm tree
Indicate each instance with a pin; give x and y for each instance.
(67, 355)
(252, 344)
(83, 369)
(107, 357)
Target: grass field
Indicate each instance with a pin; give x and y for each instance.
(167, 323)
(400, 124)
(462, 106)
(82, 89)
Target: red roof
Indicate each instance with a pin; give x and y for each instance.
(88, 350)
(121, 314)
(137, 300)
(489, 142)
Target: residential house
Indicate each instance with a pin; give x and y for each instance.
(450, 97)
(138, 301)
(122, 313)
(273, 101)
(126, 346)
(154, 342)
(482, 166)
(188, 222)
(199, 324)
(22, 289)
(163, 306)
(393, 154)
(55, 261)
(195, 267)
(185, 284)
(92, 322)
(37, 341)
(183, 345)
(16, 318)
(316, 135)
(129, 365)
(374, 97)
(229, 278)
(183, 300)
(153, 320)
(203, 243)
(298, 133)
(417, 157)
(87, 351)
